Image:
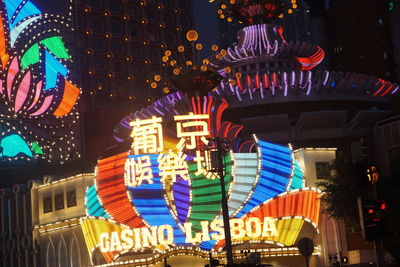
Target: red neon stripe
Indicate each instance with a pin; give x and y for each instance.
(265, 80)
(111, 189)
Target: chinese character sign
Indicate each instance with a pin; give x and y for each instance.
(147, 136)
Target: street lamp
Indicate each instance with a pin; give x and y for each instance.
(217, 155)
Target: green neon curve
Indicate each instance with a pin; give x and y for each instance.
(30, 57)
(206, 194)
(36, 148)
(56, 46)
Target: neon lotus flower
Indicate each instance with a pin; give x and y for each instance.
(34, 86)
(263, 180)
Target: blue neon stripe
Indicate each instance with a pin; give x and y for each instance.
(275, 174)
(27, 10)
(11, 6)
(93, 206)
(53, 67)
(150, 203)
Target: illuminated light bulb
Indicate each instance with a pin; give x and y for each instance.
(220, 11)
(161, 25)
(108, 35)
(189, 63)
(168, 53)
(130, 77)
(178, 28)
(232, 2)
(223, 52)
(125, 17)
(290, 11)
(228, 69)
(293, 1)
(143, 21)
(214, 47)
(157, 78)
(238, 75)
(177, 71)
(294, 6)
(173, 62)
(222, 16)
(230, 19)
(280, 16)
(232, 82)
(223, 6)
(203, 68)
(206, 61)
(145, 42)
(127, 39)
(199, 46)
(153, 85)
(166, 90)
(165, 58)
(192, 36)
(181, 48)
(107, 13)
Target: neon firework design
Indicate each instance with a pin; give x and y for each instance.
(161, 196)
(37, 118)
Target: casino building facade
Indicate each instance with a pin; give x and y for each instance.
(268, 97)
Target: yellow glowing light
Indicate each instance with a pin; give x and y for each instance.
(220, 11)
(147, 136)
(280, 16)
(192, 36)
(222, 16)
(228, 70)
(214, 47)
(157, 78)
(177, 71)
(232, 82)
(206, 61)
(223, 52)
(294, 6)
(290, 11)
(189, 63)
(199, 46)
(238, 75)
(153, 85)
(230, 19)
(172, 166)
(203, 68)
(181, 48)
(165, 58)
(172, 63)
(223, 6)
(168, 53)
(166, 90)
(189, 127)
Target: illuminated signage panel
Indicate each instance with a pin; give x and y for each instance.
(163, 194)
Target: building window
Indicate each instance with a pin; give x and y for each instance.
(153, 36)
(59, 201)
(97, 24)
(135, 31)
(116, 28)
(96, 3)
(322, 170)
(170, 38)
(151, 14)
(98, 44)
(47, 204)
(169, 18)
(118, 47)
(137, 51)
(71, 198)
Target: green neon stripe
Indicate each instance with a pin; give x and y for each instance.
(56, 46)
(30, 57)
(36, 148)
(206, 195)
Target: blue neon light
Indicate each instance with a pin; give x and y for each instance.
(13, 145)
(149, 201)
(53, 67)
(276, 170)
(93, 206)
(27, 10)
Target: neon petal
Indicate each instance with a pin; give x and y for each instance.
(46, 104)
(22, 92)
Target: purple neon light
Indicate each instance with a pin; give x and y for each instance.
(181, 193)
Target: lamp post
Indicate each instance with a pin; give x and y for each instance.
(218, 162)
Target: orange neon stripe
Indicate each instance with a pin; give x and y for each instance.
(71, 94)
(3, 49)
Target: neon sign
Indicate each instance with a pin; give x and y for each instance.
(161, 195)
(154, 236)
